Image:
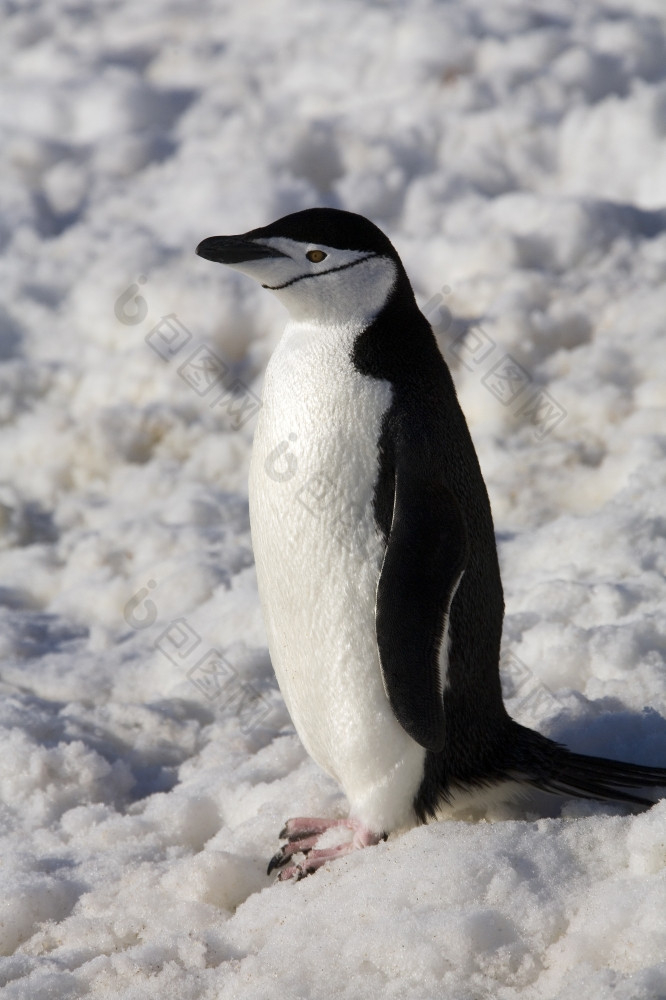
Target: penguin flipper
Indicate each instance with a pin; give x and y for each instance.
(425, 557)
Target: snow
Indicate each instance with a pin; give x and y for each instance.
(516, 155)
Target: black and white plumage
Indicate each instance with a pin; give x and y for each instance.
(384, 617)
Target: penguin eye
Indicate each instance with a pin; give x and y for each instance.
(316, 256)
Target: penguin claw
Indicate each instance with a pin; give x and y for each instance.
(277, 861)
(307, 826)
(314, 860)
(280, 858)
(302, 835)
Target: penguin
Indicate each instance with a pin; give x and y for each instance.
(375, 552)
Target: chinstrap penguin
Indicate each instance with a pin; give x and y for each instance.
(376, 560)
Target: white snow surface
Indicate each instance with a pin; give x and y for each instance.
(516, 155)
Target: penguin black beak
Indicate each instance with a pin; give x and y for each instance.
(234, 250)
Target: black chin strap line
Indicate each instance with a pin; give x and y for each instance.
(320, 274)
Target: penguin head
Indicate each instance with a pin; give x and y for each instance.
(325, 265)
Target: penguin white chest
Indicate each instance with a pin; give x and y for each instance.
(319, 554)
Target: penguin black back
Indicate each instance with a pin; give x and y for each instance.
(400, 346)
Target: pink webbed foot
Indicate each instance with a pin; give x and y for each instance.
(302, 835)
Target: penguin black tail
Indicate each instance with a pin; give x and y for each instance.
(553, 768)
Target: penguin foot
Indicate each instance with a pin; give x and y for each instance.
(302, 835)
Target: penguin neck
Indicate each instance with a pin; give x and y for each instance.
(397, 339)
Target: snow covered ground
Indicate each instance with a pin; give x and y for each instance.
(516, 155)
